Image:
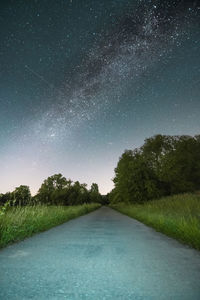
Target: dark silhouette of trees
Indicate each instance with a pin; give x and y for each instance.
(94, 193)
(51, 188)
(19, 197)
(164, 165)
(22, 195)
(57, 190)
(4, 198)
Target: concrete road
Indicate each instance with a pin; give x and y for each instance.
(103, 255)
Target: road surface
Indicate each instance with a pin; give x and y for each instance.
(99, 256)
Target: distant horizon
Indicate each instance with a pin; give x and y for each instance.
(35, 190)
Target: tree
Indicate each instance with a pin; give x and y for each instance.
(164, 165)
(105, 199)
(181, 167)
(135, 180)
(50, 185)
(94, 188)
(58, 190)
(5, 198)
(22, 195)
(78, 194)
(94, 193)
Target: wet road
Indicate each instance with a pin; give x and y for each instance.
(102, 255)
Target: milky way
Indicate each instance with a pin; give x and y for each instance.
(99, 89)
(140, 38)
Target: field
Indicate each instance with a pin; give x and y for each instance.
(18, 223)
(176, 216)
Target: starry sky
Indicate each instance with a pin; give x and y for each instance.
(83, 80)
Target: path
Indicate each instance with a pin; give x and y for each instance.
(102, 255)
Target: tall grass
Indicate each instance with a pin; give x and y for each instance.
(18, 223)
(177, 216)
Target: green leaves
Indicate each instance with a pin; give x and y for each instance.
(164, 165)
(57, 190)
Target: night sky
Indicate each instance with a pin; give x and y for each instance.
(83, 80)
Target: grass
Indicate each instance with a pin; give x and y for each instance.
(18, 223)
(176, 216)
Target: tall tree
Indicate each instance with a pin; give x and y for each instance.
(94, 193)
(163, 165)
(50, 185)
(22, 195)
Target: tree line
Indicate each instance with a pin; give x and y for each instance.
(55, 190)
(164, 165)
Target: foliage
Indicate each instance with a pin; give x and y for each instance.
(47, 192)
(177, 216)
(4, 198)
(18, 222)
(94, 193)
(55, 190)
(20, 196)
(164, 165)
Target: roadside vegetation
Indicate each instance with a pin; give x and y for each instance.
(57, 201)
(177, 216)
(164, 165)
(55, 190)
(157, 183)
(20, 222)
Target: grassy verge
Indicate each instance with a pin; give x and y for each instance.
(20, 222)
(176, 216)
